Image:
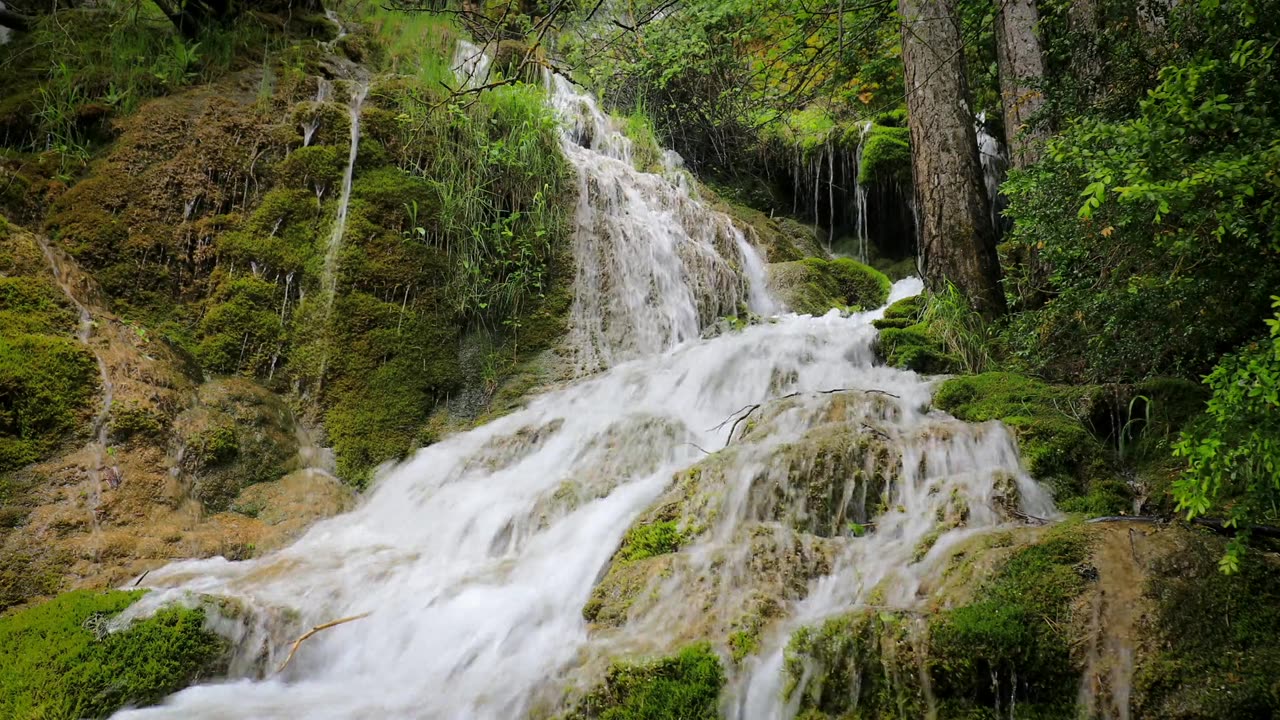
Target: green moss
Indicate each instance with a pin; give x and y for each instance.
(861, 665)
(57, 662)
(914, 348)
(645, 541)
(886, 156)
(1215, 647)
(313, 166)
(813, 285)
(46, 384)
(130, 421)
(1011, 644)
(1048, 421)
(242, 331)
(34, 306)
(904, 313)
(685, 686)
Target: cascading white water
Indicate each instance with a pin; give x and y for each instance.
(475, 558)
(655, 265)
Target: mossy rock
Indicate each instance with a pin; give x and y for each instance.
(813, 286)
(685, 685)
(1049, 423)
(238, 435)
(886, 156)
(864, 664)
(1012, 645)
(1214, 649)
(46, 385)
(58, 661)
(914, 348)
(903, 313)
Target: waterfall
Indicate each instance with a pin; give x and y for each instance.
(655, 265)
(471, 64)
(475, 558)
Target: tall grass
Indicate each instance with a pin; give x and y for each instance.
(962, 332)
(493, 162)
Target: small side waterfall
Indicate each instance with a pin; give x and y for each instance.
(471, 64)
(994, 166)
(655, 265)
(5, 33)
(329, 276)
(860, 195)
(324, 88)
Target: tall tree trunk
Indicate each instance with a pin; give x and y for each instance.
(957, 240)
(1021, 61)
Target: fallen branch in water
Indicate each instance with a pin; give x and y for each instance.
(1031, 518)
(313, 631)
(756, 406)
(735, 423)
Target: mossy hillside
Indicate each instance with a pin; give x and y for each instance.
(1049, 422)
(57, 661)
(1012, 643)
(237, 435)
(207, 220)
(48, 379)
(813, 286)
(685, 685)
(886, 156)
(1213, 649)
(865, 664)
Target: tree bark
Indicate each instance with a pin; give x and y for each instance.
(957, 240)
(1020, 57)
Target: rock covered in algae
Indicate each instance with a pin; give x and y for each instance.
(813, 286)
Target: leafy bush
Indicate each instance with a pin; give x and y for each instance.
(1233, 458)
(644, 541)
(1154, 237)
(57, 662)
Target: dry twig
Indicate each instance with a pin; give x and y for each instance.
(313, 631)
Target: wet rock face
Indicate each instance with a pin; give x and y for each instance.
(237, 435)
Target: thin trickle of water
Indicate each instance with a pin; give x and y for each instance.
(100, 461)
(324, 88)
(994, 165)
(655, 265)
(860, 194)
(329, 276)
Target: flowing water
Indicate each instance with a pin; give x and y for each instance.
(5, 33)
(324, 88)
(471, 64)
(474, 559)
(994, 165)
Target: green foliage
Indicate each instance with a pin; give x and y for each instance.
(1155, 234)
(58, 663)
(686, 686)
(1233, 458)
(45, 382)
(1050, 424)
(646, 541)
(963, 333)
(1010, 645)
(886, 156)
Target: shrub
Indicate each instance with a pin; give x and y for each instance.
(686, 685)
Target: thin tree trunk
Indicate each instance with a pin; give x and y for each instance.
(957, 240)
(1021, 61)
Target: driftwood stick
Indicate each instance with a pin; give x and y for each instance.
(735, 424)
(313, 631)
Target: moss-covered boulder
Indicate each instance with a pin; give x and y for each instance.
(864, 664)
(1213, 646)
(685, 685)
(1049, 422)
(813, 286)
(60, 661)
(237, 435)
